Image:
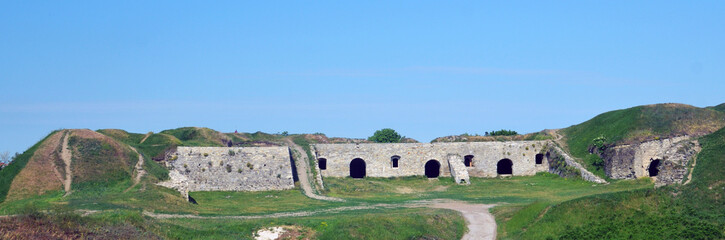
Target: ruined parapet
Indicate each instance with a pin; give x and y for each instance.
(458, 169)
(230, 169)
(568, 166)
(664, 160)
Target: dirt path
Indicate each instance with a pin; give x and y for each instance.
(303, 173)
(140, 172)
(145, 137)
(481, 223)
(65, 154)
(689, 175)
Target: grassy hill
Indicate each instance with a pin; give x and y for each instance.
(637, 124)
(692, 211)
(96, 160)
(720, 107)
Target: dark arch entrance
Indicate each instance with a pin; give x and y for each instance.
(394, 160)
(653, 168)
(504, 166)
(539, 158)
(357, 168)
(468, 160)
(322, 163)
(432, 168)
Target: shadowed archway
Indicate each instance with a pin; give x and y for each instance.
(653, 168)
(432, 168)
(322, 163)
(357, 168)
(539, 158)
(468, 160)
(504, 166)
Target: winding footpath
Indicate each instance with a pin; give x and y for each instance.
(140, 172)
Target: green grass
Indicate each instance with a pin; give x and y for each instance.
(693, 211)
(369, 224)
(720, 107)
(249, 203)
(639, 124)
(521, 189)
(8, 173)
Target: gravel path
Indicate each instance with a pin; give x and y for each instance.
(481, 223)
(303, 173)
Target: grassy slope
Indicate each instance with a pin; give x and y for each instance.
(639, 124)
(694, 211)
(362, 224)
(720, 107)
(515, 190)
(9, 172)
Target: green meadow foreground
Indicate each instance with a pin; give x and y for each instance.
(115, 206)
(108, 200)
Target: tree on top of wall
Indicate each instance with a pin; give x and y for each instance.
(385, 135)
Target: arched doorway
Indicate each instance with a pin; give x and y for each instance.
(468, 160)
(653, 168)
(322, 163)
(504, 166)
(357, 168)
(432, 168)
(539, 158)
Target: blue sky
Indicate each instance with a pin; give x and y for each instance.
(424, 68)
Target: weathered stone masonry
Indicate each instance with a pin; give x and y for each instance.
(270, 168)
(412, 158)
(231, 169)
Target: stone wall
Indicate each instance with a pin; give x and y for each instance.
(633, 160)
(230, 169)
(413, 157)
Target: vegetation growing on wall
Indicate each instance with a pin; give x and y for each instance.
(641, 123)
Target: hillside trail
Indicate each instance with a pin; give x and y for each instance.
(303, 173)
(689, 175)
(145, 137)
(140, 172)
(65, 154)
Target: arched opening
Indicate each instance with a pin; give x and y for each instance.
(357, 168)
(394, 160)
(322, 163)
(539, 158)
(653, 168)
(432, 168)
(468, 160)
(504, 166)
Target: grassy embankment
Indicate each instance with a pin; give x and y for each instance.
(693, 211)
(637, 124)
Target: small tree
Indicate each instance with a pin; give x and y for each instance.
(385, 135)
(5, 157)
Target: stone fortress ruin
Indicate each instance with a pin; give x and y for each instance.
(273, 168)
